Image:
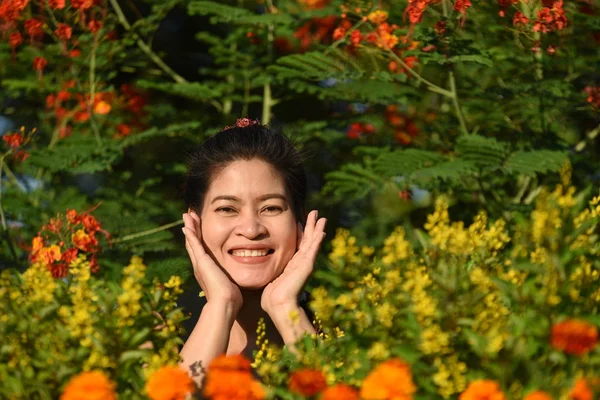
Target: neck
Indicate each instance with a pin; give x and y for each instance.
(251, 311)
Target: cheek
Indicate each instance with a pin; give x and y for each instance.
(214, 235)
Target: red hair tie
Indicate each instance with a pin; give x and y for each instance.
(242, 123)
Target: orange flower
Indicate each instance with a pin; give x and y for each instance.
(391, 379)
(37, 243)
(581, 391)
(47, 255)
(307, 382)
(92, 385)
(574, 336)
(482, 390)
(340, 392)
(538, 395)
(232, 363)
(229, 377)
(73, 217)
(102, 107)
(83, 241)
(170, 383)
(378, 17)
(39, 63)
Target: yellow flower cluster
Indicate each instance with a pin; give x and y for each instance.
(396, 247)
(80, 317)
(491, 314)
(344, 249)
(38, 284)
(128, 302)
(172, 291)
(450, 376)
(455, 239)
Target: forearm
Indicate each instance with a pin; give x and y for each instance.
(292, 323)
(208, 339)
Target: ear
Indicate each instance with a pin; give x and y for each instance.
(299, 235)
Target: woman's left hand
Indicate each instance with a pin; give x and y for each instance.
(284, 290)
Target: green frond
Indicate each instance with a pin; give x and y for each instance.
(156, 132)
(316, 66)
(352, 180)
(190, 90)
(449, 171)
(534, 162)
(406, 161)
(221, 12)
(483, 151)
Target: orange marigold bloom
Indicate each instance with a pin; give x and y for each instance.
(170, 383)
(235, 362)
(307, 382)
(92, 385)
(229, 377)
(574, 336)
(538, 395)
(83, 241)
(391, 379)
(581, 391)
(340, 392)
(482, 390)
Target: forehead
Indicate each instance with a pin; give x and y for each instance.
(246, 178)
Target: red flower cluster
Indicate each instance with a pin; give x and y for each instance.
(416, 8)
(64, 238)
(550, 19)
(520, 19)
(593, 96)
(405, 129)
(358, 129)
(15, 143)
(317, 30)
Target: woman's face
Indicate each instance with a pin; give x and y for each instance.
(247, 223)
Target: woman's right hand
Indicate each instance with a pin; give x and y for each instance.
(215, 284)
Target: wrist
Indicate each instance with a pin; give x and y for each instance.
(228, 309)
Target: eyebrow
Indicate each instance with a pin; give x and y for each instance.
(264, 197)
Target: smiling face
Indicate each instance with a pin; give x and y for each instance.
(248, 224)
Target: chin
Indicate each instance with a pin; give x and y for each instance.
(250, 280)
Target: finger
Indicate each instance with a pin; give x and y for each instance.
(299, 235)
(197, 222)
(309, 228)
(195, 262)
(318, 236)
(194, 238)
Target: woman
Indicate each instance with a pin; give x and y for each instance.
(251, 246)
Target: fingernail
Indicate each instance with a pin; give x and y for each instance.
(183, 230)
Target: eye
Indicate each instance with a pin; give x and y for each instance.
(272, 210)
(225, 210)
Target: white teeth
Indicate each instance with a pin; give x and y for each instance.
(249, 253)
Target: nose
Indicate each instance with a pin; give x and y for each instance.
(250, 226)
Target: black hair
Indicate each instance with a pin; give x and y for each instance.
(246, 143)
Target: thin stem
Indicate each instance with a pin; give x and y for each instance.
(145, 48)
(457, 108)
(92, 83)
(148, 232)
(150, 53)
(431, 86)
(2, 218)
(267, 96)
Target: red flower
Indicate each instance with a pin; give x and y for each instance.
(307, 382)
(520, 19)
(440, 27)
(550, 19)
(82, 4)
(63, 31)
(14, 140)
(74, 53)
(357, 129)
(39, 63)
(55, 225)
(123, 130)
(56, 4)
(94, 25)
(90, 223)
(574, 337)
(69, 255)
(72, 217)
(593, 95)
(462, 6)
(15, 39)
(33, 27)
